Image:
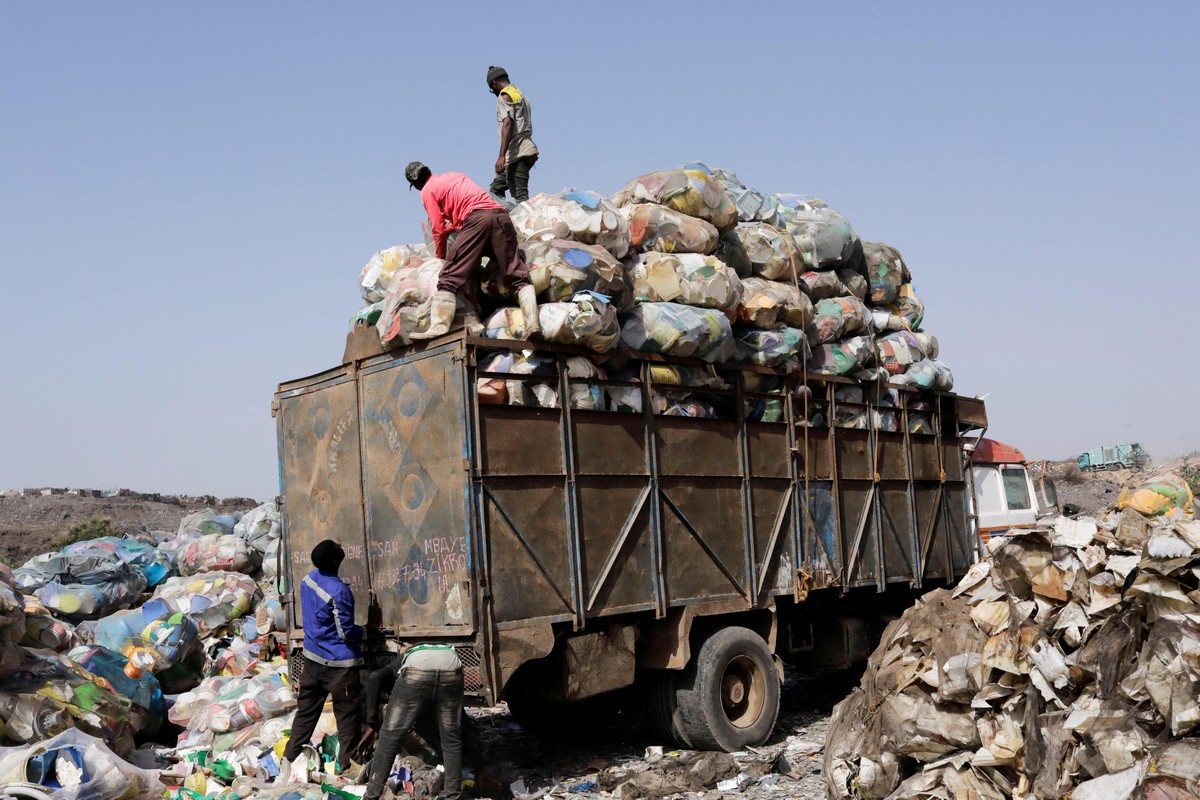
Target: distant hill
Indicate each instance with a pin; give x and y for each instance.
(31, 520)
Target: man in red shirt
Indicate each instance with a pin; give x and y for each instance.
(454, 203)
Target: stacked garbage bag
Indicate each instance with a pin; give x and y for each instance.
(1063, 664)
(103, 643)
(689, 262)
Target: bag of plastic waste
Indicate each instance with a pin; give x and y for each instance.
(558, 268)
(498, 391)
(74, 766)
(824, 284)
(751, 204)
(688, 278)
(884, 321)
(154, 564)
(42, 629)
(928, 344)
(12, 608)
(139, 686)
(856, 285)
(926, 374)
(731, 250)
(692, 192)
(212, 598)
(378, 274)
(45, 693)
(898, 351)
(841, 357)
(85, 584)
(227, 704)
(773, 253)
(573, 214)
(218, 553)
(260, 526)
(766, 304)
(886, 271)
(664, 230)
(838, 317)
(688, 406)
(587, 319)
(909, 307)
(678, 330)
(1162, 495)
(770, 348)
(824, 233)
(207, 522)
(169, 634)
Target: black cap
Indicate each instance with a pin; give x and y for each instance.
(496, 73)
(415, 172)
(328, 556)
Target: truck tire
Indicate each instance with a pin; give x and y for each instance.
(728, 697)
(659, 695)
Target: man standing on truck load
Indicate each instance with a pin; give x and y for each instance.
(332, 652)
(518, 153)
(455, 203)
(423, 676)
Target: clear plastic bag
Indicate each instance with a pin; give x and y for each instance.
(886, 272)
(842, 357)
(218, 553)
(12, 608)
(664, 230)
(212, 598)
(909, 307)
(260, 526)
(839, 317)
(75, 766)
(155, 564)
(688, 278)
(770, 348)
(83, 584)
(824, 284)
(898, 351)
(587, 319)
(732, 251)
(558, 268)
(172, 636)
(772, 252)
(573, 214)
(378, 274)
(222, 704)
(926, 374)
(752, 205)
(821, 232)
(678, 330)
(691, 192)
(766, 304)
(207, 522)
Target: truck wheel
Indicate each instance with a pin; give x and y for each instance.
(728, 697)
(659, 695)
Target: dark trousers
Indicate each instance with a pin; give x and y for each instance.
(485, 232)
(415, 691)
(514, 179)
(318, 682)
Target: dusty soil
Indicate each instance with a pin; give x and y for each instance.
(29, 525)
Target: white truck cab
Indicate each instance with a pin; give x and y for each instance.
(1010, 492)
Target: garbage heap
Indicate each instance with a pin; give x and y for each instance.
(1066, 663)
(686, 262)
(103, 640)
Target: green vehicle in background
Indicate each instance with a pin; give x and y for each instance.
(1114, 456)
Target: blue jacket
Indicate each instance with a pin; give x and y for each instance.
(330, 635)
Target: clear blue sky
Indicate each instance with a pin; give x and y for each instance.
(188, 193)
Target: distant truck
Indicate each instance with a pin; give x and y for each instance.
(568, 553)
(1010, 492)
(1114, 456)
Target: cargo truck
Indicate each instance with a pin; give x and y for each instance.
(568, 553)
(1114, 456)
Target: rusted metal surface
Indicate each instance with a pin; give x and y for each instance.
(514, 519)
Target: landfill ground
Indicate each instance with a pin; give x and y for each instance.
(617, 754)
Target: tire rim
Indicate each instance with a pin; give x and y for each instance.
(743, 692)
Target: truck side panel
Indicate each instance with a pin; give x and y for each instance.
(318, 430)
(414, 429)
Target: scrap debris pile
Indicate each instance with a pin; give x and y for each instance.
(1066, 663)
(687, 262)
(104, 641)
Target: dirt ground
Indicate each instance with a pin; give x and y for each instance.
(29, 525)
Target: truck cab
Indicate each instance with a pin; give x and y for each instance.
(1010, 491)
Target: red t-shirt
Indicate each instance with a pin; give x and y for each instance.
(448, 199)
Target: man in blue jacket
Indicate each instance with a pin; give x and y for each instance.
(332, 652)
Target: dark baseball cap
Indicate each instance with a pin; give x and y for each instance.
(415, 171)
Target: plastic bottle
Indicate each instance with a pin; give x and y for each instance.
(141, 661)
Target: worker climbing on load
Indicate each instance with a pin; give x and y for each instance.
(425, 677)
(518, 153)
(332, 653)
(455, 203)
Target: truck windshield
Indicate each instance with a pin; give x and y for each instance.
(1016, 488)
